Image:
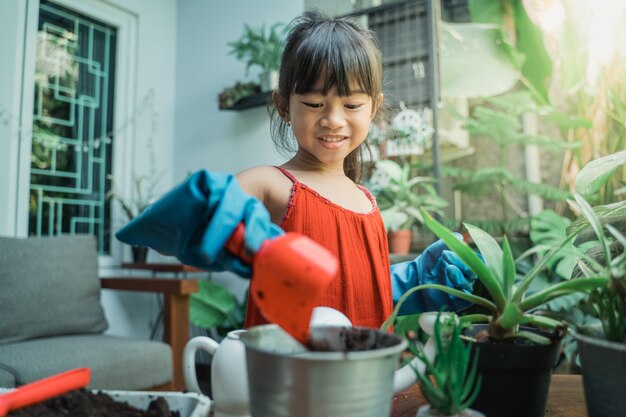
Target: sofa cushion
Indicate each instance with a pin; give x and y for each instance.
(50, 286)
(115, 362)
(7, 376)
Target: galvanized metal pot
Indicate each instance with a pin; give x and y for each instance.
(286, 379)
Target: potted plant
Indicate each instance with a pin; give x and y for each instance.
(231, 95)
(261, 47)
(517, 347)
(602, 347)
(399, 197)
(134, 206)
(453, 383)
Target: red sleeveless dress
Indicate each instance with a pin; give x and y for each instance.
(362, 289)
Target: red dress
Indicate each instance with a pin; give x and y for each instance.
(362, 289)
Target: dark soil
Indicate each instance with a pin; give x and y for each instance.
(353, 339)
(83, 403)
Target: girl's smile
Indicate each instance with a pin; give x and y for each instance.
(333, 142)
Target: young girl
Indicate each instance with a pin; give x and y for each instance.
(329, 91)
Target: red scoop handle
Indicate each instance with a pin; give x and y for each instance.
(235, 244)
(44, 389)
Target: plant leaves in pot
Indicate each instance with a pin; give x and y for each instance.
(453, 383)
(602, 348)
(512, 328)
(261, 47)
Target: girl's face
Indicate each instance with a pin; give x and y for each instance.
(330, 126)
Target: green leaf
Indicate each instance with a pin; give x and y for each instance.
(538, 67)
(595, 224)
(614, 214)
(597, 172)
(467, 255)
(475, 61)
(534, 272)
(488, 248)
(565, 121)
(560, 289)
(508, 269)
(212, 305)
(511, 316)
(534, 337)
(459, 294)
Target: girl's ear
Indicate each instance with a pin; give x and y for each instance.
(377, 102)
(281, 105)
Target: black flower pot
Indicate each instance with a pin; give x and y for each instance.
(140, 253)
(603, 365)
(515, 376)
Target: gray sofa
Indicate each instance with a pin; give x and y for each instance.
(51, 319)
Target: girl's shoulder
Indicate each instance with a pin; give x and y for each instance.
(269, 185)
(261, 178)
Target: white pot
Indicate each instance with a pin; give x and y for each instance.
(229, 381)
(268, 80)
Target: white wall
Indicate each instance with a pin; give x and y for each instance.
(207, 138)
(12, 24)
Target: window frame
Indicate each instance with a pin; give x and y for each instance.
(124, 105)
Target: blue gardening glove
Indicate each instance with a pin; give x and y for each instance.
(436, 265)
(194, 220)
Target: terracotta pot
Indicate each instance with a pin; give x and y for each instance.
(399, 241)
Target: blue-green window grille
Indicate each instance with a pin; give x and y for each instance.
(72, 126)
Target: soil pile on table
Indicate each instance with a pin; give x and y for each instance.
(83, 403)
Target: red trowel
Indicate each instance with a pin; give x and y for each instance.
(44, 389)
(288, 274)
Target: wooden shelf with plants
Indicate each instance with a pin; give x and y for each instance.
(254, 100)
(258, 47)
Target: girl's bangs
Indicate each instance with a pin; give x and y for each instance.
(341, 65)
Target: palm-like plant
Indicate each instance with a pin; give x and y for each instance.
(454, 383)
(509, 306)
(259, 46)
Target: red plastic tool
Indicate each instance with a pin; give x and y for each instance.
(44, 389)
(288, 274)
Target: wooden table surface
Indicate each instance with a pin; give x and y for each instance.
(566, 399)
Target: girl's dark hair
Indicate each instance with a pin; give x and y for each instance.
(337, 49)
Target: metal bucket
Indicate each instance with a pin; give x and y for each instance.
(286, 379)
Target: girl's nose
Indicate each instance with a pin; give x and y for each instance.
(333, 118)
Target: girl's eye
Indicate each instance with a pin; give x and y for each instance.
(313, 105)
(353, 106)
